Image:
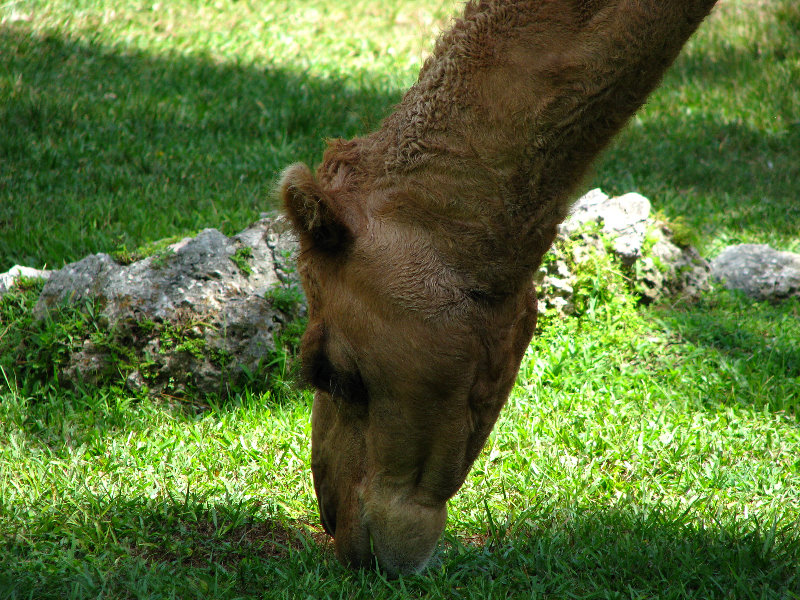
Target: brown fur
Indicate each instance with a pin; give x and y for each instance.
(418, 243)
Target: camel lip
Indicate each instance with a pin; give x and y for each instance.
(357, 555)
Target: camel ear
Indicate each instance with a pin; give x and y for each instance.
(311, 211)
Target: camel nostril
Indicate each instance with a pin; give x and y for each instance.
(328, 523)
(328, 520)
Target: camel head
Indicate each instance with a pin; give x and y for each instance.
(418, 243)
(410, 364)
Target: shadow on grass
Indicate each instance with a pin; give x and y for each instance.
(131, 547)
(753, 355)
(719, 142)
(104, 146)
(636, 552)
(185, 548)
(711, 172)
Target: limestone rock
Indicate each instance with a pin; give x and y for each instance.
(10, 277)
(201, 314)
(759, 271)
(670, 270)
(624, 219)
(656, 265)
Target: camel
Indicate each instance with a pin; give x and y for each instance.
(418, 243)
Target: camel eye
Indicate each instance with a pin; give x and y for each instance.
(345, 385)
(319, 372)
(351, 388)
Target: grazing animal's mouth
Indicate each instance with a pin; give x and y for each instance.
(418, 244)
(398, 541)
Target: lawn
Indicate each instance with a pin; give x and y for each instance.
(645, 452)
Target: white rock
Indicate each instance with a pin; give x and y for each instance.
(759, 271)
(10, 277)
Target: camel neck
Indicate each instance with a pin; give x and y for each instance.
(515, 102)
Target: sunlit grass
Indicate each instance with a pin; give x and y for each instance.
(135, 121)
(653, 455)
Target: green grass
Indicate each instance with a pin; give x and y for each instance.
(719, 143)
(124, 123)
(642, 454)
